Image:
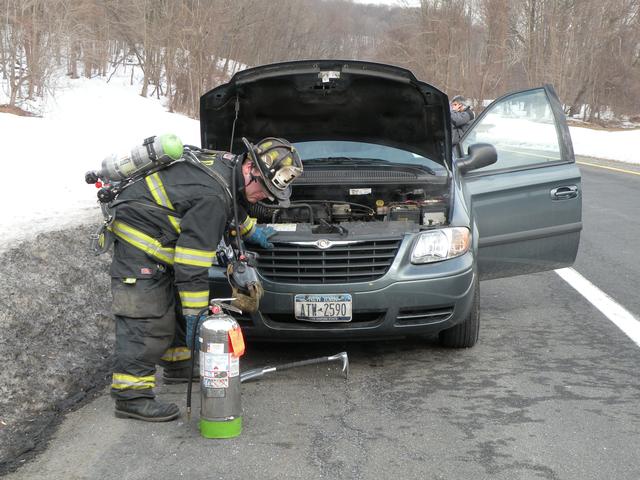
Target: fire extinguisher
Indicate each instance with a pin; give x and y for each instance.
(221, 346)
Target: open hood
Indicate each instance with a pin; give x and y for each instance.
(328, 100)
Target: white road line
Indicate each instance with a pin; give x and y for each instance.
(622, 318)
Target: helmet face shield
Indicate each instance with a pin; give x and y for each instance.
(283, 177)
(279, 165)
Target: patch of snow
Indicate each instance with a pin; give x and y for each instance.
(44, 160)
(621, 146)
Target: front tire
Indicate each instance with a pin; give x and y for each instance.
(464, 334)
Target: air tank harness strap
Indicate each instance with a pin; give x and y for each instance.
(193, 160)
(148, 144)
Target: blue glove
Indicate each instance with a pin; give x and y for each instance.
(260, 236)
(190, 320)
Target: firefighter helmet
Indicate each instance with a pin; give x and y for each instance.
(279, 164)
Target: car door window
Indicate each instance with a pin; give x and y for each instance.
(522, 129)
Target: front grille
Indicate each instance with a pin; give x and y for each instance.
(358, 262)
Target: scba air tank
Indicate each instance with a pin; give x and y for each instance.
(221, 346)
(154, 151)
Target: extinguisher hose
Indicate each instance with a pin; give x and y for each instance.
(193, 358)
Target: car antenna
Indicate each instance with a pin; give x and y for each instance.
(233, 127)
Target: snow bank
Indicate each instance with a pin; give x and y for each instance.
(622, 146)
(44, 160)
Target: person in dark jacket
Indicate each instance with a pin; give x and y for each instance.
(461, 117)
(167, 228)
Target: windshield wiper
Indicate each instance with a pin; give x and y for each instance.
(366, 162)
(346, 160)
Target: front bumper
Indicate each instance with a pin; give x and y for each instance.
(408, 300)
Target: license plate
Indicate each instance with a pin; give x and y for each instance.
(323, 308)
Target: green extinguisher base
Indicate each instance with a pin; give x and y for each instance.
(228, 429)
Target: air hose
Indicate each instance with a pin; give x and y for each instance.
(263, 211)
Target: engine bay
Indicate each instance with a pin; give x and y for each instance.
(328, 207)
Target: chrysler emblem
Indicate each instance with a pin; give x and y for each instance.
(324, 243)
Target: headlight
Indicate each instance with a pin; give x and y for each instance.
(441, 244)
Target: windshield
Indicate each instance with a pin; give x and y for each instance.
(340, 150)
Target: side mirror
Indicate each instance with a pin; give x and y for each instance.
(480, 155)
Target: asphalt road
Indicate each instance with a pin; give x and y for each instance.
(551, 391)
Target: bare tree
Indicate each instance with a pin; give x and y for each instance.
(27, 44)
(589, 49)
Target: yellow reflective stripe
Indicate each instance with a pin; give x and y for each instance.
(175, 223)
(192, 256)
(142, 241)
(194, 299)
(176, 354)
(122, 381)
(157, 190)
(247, 225)
(124, 386)
(156, 187)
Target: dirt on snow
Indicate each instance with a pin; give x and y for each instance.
(56, 337)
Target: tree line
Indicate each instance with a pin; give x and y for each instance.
(588, 49)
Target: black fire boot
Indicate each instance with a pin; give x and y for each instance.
(180, 375)
(147, 409)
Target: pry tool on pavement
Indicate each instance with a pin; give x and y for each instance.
(258, 373)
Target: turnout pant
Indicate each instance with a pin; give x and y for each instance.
(150, 329)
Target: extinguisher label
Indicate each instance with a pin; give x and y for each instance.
(234, 366)
(216, 365)
(222, 382)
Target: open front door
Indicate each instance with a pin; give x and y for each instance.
(527, 207)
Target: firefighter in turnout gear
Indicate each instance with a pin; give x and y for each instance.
(167, 228)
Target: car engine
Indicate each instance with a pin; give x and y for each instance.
(326, 205)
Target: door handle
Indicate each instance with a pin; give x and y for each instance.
(564, 193)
